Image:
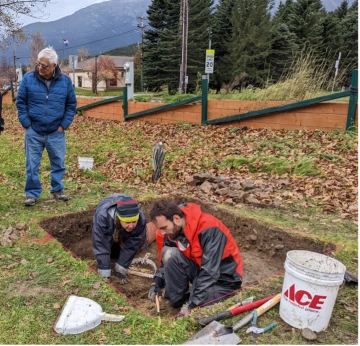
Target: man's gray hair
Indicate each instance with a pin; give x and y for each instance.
(50, 54)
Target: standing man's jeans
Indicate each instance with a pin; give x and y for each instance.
(55, 145)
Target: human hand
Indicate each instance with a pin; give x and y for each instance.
(123, 278)
(153, 291)
(61, 129)
(120, 272)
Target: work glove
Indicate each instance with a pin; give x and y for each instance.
(120, 272)
(2, 124)
(155, 288)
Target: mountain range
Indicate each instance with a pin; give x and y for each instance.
(98, 28)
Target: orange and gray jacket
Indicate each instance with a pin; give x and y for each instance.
(103, 234)
(212, 247)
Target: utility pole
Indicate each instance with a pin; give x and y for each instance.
(14, 53)
(142, 26)
(184, 9)
(95, 77)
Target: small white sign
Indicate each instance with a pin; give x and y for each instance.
(73, 61)
(209, 61)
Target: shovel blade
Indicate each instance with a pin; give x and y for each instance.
(79, 314)
(214, 333)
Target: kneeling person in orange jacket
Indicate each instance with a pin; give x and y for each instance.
(195, 248)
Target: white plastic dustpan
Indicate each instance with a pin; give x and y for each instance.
(81, 314)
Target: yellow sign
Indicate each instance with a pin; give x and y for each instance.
(210, 51)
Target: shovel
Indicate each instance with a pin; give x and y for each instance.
(216, 333)
(81, 314)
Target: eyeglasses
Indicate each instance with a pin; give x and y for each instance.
(38, 64)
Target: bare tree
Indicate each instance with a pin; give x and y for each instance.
(9, 17)
(82, 53)
(36, 44)
(6, 71)
(104, 70)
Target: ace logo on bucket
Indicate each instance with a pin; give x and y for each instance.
(302, 299)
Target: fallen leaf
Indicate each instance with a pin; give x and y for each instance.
(75, 291)
(336, 220)
(65, 282)
(96, 284)
(349, 308)
(116, 307)
(56, 306)
(127, 331)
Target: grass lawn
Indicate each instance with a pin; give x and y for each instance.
(318, 171)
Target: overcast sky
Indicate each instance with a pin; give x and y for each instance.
(57, 9)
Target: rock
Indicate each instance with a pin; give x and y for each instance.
(206, 187)
(190, 181)
(20, 226)
(222, 192)
(279, 246)
(247, 184)
(222, 185)
(229, 201)
(264, 195)
(236, 186)
(8, 231)
(14, 236)
(252, 199)
(277, 202)
(201, 177)
(308, 334)
(23, 262)
(6, 242)
(50, 260)
(253, 237)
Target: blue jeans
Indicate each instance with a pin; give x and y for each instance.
(55, 145)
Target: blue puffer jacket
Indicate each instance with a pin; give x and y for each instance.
(46, 109)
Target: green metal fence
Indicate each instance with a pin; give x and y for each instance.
(352, 93)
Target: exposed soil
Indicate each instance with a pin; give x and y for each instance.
(263, 248)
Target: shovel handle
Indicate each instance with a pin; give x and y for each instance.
(236, 311)
(157, 304)
(268, 305)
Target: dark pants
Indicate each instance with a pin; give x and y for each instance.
(179, 272)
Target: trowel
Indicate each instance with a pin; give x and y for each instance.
(80, 314)
(216, 333)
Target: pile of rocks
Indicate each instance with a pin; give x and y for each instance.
(11, 234)
(233, 192)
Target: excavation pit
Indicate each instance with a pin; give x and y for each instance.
(263, 248)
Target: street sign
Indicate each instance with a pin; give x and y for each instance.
(209, 61)
(73, 61)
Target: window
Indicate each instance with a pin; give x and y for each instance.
(79, 82)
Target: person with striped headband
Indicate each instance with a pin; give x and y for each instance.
(118, 229)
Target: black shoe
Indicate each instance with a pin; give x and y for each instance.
(59, 195)
(29, 201)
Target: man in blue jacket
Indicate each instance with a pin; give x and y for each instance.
(118, 228)
(46, 104)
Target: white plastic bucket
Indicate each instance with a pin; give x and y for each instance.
(310, 287)
(86, 162)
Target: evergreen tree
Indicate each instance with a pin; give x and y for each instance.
(306, 21)
(342, 10)
(283, 49)
(250, 44)
(221, 42)
(349, 39)
(200, 18)
(162, 51)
